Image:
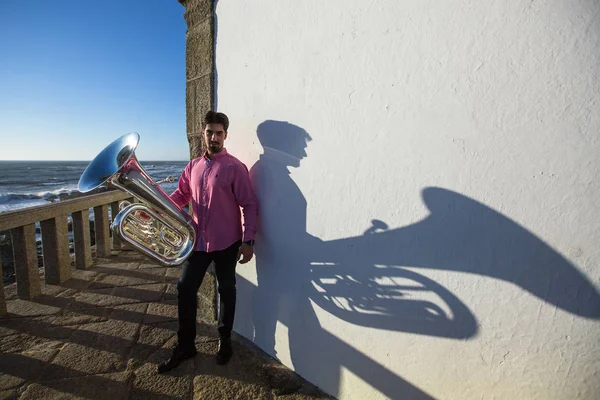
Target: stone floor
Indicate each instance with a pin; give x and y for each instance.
(100, 335)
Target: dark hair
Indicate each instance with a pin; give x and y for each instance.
(213, 117)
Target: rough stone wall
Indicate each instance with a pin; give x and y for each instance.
(200, 74)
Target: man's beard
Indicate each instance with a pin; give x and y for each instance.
(215, 148)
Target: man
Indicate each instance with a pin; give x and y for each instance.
(217, 184)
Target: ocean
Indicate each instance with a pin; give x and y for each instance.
(30, 183)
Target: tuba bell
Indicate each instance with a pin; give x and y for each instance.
(156, 227)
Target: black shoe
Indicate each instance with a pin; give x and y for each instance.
(225, 351)
(176, 358)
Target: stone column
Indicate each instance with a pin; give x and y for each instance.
(102, 228)
(3, 310)
(55, 246)
(200, 68)
(26, 262)
(81, 239)
(200, 86)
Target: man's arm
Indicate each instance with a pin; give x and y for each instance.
(246, 199)
(182, 195)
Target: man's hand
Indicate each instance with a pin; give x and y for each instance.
(246, 251)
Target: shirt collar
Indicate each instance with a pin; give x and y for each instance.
(219, 154)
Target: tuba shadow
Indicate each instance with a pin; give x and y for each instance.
(463, 235)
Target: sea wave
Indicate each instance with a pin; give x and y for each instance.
(43, 195)
(12, 206)
(63, 190)
(52, 183)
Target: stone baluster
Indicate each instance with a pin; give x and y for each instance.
(55, 246)
(3, 310)
(114, 210)
(26, 261)
(81, 239)
(101, 227)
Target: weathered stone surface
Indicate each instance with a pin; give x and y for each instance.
(129, 278)
(56, 291)
(108, 266)
(26, 265)
(76, 319)
(197, 11)
(128, 254)
(107, 342)
(142, 293)
(10, 292)
(154, 345)
(25, 308)
(176, 384)
(19, 368)
(104, 386)
(111, 264)
(156, 274)
(134, 313)
(79, 277)
(19, 342)
(161, 312)
(55, 245)
(150, 265)
(127, 275)
(219, 387)
(151, 340)
(207, 296)
(172, 275)
(97, 298)
(11, 394)
(198, 102)
(81, 239)
(95, 349)
(115, 336)
(102, 231)
(2, 297)
(35, 327)
(115, 241)
(238, 379)
(199, 50)
(197, 146)
(199, 70)
(60, 300)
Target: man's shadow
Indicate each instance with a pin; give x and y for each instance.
(361, 279)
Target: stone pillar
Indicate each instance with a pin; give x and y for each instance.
(81, 239)
(200, 87)
(26, 262)
(116, 241)
(55, 246)
(3, 310)
(200, 68)
(102, 228)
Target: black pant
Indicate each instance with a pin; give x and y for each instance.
(192, 274)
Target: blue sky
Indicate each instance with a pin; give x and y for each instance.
(75, 75)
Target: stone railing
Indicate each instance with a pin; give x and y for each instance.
(54, 227)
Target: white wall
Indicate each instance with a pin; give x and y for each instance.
(470, 130)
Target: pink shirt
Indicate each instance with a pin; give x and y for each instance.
(217, 189)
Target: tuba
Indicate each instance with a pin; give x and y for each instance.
(156, 227)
